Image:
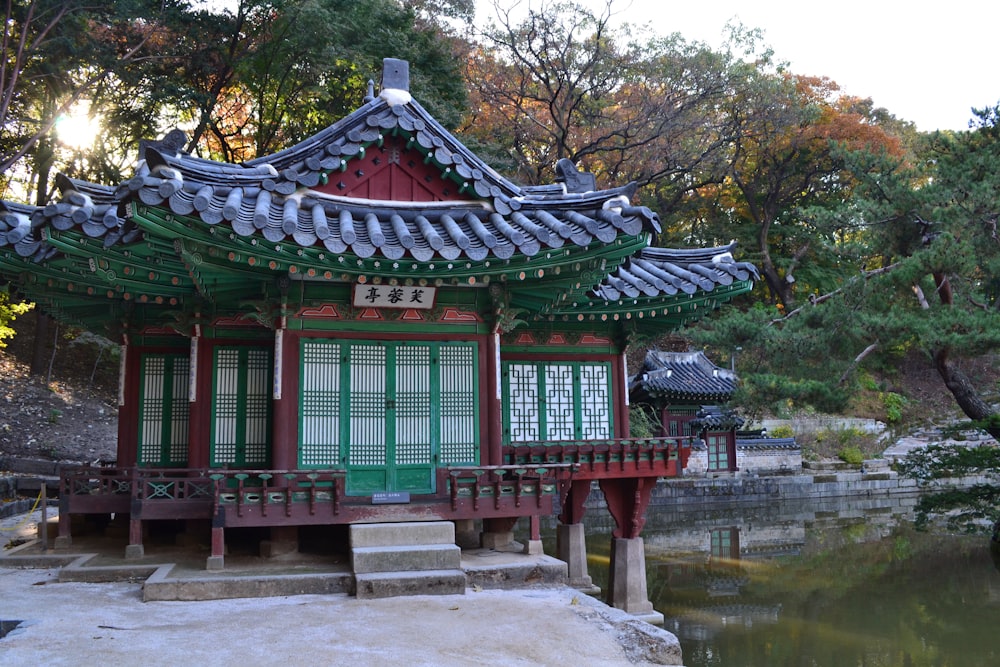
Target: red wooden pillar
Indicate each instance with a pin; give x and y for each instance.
(65, 537)
(534, 528)
(128, 407)
(134, 548)
(575, 495)
(620, 383)
(217, 560)
(490, 363)
(200, 405)
(627, 500)
(285, 434)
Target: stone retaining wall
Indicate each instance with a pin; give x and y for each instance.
(812, 486)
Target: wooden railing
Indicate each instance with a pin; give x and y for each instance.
(601, 456)
(154, 484)
(278, 489)
(243, 488)
(530, 472)
(498, 482)
(95, 481)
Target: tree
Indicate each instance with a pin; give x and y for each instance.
(920, 255)
(563, 82)
(786, 154)
(57, 54)
(938, 224)
(969, 509)
(271, 73)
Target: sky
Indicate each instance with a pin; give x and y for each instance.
(929, 63)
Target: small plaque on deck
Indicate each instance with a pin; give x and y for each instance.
(391, 498)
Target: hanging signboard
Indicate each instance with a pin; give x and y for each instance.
(394, 296)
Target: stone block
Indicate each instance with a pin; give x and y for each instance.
(571, 548)
(402, 534)
(498, 540)
(391, 584)
(627, 580)
(466, 534)
(406, 558)
(533, 548)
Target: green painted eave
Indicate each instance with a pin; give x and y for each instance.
(579, 268)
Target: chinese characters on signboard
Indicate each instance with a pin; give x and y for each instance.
(393, 296)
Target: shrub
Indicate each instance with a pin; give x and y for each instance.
(894, 404)
(642, 423)
(851, 455)
(781, 431)
(9, 311)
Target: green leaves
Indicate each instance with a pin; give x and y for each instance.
(8, 312)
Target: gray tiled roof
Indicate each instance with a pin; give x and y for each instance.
(272, 196)
(715, 418)
(766, 443)
(686, 376)
(92, 209)
(656, 271)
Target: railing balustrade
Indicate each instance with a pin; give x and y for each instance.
(498, 482)
(530, 470)
(600, 456)
(271, 489)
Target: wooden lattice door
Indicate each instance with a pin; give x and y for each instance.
(241, 407)
(163, 410)
(388, 412)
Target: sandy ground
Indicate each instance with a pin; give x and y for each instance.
(107, 623)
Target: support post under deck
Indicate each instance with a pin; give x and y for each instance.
(135, 549)
(571, 548)
(217, 560)
(627, 580)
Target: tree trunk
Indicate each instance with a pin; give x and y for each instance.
(781, 290)
(40, 346)
(964, 391)
(43, 167)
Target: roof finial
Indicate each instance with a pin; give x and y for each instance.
(575, 181)
(395, 74)
(395, 81)
(371, 92)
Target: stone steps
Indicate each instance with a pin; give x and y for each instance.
(393, 559)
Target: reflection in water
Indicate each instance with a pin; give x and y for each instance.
(828, 583)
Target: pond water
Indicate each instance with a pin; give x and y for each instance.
(826, 584)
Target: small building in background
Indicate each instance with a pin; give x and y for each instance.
(686, 395)
(683, 393)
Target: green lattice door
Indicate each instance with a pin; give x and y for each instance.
(388, 412)
(241, 407)
(163, 410)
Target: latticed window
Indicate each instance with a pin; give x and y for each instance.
(557, 401)
(718, 452)
(163, 410)
(321, 409)
(387, 404)
(241, 407)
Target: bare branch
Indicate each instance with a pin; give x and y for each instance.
(857, 360)
(816, 300)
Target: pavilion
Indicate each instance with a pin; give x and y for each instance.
(371, 326)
